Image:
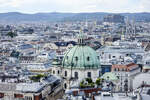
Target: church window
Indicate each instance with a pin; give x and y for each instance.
(88, 58)
(65, 73)
(76, 74)
(53, 72)
(65, 85)
(76, 58)
(89, 74)
(67, 57)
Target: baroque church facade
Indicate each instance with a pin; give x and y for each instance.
(79, 62)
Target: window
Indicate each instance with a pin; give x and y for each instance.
(99, 73)
(66, 73)
(148, 63)
(118, 77)
(109, 56)
(98, 57)
(61, 58)
(65, 85)
(53, 72)
(67, 57)
(76, 58)
(120, 57)
(28, 98)
(58, 71)
(89, 74)
(88, 58)
(114, 56)
(76, 74)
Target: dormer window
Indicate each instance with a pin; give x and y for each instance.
(76, 58)
(67, 57)
(88, 58)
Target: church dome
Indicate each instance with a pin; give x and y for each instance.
(81, 57)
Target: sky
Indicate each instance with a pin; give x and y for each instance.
(75, 6)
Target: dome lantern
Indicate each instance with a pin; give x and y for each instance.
(81, 38)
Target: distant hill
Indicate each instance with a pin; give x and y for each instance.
(52, 17)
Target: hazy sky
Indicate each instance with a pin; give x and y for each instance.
(34, 6)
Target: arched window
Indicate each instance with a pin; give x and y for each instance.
(65, 86)
(88, 58)
(76, 75)
(89, 74)
(58, 71)
(66, 73)
(53, 72)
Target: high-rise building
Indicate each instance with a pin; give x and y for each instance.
(114, 18)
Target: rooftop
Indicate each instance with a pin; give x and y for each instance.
(118, 49)
(29, 87)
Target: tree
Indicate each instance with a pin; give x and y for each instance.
(11, 34)
(15, 54)
(98, 81)
(87, 83)
(82, 85)
(37, 77)
(89, 80)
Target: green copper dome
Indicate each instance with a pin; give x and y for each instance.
(81, 57)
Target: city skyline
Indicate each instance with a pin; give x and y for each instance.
(74, 6)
